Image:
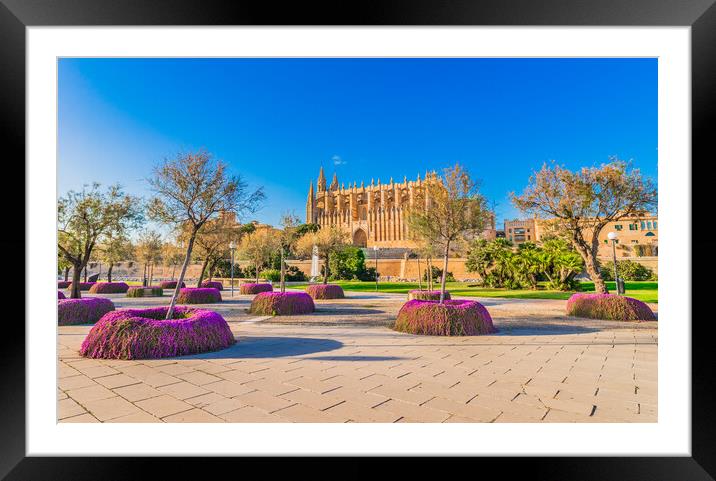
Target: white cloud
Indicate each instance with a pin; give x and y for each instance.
(338, 161)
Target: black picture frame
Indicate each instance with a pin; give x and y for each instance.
(700, 15)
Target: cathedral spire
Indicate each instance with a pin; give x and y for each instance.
(334, 182)
(321, 183)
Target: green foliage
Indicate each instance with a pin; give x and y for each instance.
(273, 275)
(306, 228)
(294, 274)
(349, 263)
(499, 264)
(629, 271)
(438, 274)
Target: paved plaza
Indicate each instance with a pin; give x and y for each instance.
(344, 364)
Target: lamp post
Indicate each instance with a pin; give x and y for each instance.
(375, 251)
(612, 236)
(232, 248)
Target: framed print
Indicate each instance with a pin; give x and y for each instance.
(420, 230)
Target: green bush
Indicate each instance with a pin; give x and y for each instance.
(348, 264)
(438, 275)
(627, 270)
(273, 275)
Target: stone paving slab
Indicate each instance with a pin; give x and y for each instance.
(344, 364)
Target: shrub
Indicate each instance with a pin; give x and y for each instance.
(198, 295)
(282, 304)
(63, 284)
(60, 295)
(213, 284)
(438, 274)
(325, 291)
(170, 284)
(273, 275)
(145, 334)
(82, 311)
(84, 286)
(451, 318)
(150, 291)
(109, 288)
(255, 288)
(627, 270)
(609, 306)
(293, 273)
(426, 295)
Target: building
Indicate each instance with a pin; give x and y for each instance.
(373, 215)
(637, 236)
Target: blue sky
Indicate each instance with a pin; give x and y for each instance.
(277, 121)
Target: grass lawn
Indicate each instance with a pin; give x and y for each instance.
(643, 290)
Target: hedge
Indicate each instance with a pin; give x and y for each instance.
(170, 284)
(149, 291)
(198, 295)
(213, 284)
(63, 284)
(84, 286)
(82, 311)
(451, 318)
(609, 306)
(109, 288)
(325, 291)
(145, 334)
(282, 304)
(255, 288)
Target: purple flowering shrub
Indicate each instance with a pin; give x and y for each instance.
(82, 311)
(198, 295)
(426, 295)
(452, 318)
(282, 303)
(609, 306)
(149, 291)
(84, 286)
(213, 284)
(63, 284)
(60, 295)
(109, 288)
(145, 334)
(255, 288)
(325, 291)
(170, 284)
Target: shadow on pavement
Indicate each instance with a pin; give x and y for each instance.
(357, 358)
(268, 347)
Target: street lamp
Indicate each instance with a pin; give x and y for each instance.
(612, 236)
(375, 250)
(232, 248)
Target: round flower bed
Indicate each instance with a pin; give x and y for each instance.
(109, 288)
(82, 311)
(282, 304)
(451, 318)
(60, 295)
(255, 288)
(426, 295)
(198, 295)
(63, 284)
(170, 284)
(213, 284)
(145, 334)
(610, 307)
(149, 291)
(84, 286)
(325, 291)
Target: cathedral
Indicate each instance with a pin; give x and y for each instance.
(373, 215)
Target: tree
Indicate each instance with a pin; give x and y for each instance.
(84, 219)
(328, 240)
(258, 246)
(579, 204)
(116, 248)
(149, 251)
(447, 209)
(172, 256)
(63, 265)
(190, 190)
(289, 234)
(212, 244)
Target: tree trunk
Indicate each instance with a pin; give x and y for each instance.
(151, 274)
(76, 277)
(144, 276)
(109, 272)
(283, 272)
(326, 270)
(420, 280)
(67, 273)
(201, 273)
(592, 265)
(444, 276)
(174, 270)
(172, 303)
(429, 274)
